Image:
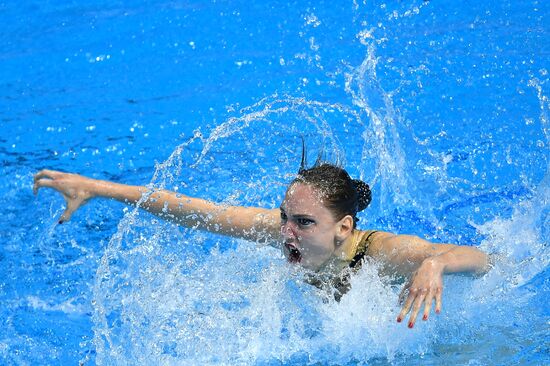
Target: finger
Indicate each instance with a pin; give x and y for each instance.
(404, 292)
(42, 183)
(438, 301)
(416, 308)
(46, 173)
(42, 177)
(428, 305)
(72, 206)
(65, 216)
(406, 307)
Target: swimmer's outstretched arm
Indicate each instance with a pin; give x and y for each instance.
(426, 263)
(251, 223)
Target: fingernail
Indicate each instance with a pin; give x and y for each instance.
(425, 317)
(411, 324)
(437, 311)
(399, 319)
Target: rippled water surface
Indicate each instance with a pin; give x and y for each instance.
(441, 107)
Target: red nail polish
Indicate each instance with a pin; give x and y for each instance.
(399, 319)
(425, 317)
(437, 311)
(411, 324)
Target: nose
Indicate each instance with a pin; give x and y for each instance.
(287, 231)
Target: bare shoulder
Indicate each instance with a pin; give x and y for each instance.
(374, 235)
(375, 238)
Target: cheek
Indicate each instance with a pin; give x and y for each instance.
(314, 257)
(316, 246)
(317, 250)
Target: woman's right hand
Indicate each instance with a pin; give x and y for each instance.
(75, 188)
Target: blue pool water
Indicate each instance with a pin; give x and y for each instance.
(441, 106)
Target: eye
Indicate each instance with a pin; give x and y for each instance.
(305, 222)
(284, 218)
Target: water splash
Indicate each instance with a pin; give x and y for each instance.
(166, 295)
(383, 142)
(519, 280)
(161, 293)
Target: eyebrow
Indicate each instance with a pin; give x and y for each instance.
(299, 216)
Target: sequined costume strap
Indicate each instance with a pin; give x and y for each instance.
(362, 249)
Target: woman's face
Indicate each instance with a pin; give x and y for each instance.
(308, 228)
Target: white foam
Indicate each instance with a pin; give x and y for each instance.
(69, 306)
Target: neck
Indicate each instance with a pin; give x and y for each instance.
(342, 256)
(346, 251)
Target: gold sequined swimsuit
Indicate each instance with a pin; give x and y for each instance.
(341, 284)
(361, 250)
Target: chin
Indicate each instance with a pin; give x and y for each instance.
(310, 266)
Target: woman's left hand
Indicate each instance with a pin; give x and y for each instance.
(425, 285)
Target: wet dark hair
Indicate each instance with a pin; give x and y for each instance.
(340, 194)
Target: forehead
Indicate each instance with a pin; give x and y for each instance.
(302, 197)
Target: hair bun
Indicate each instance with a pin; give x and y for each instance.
(364, 195)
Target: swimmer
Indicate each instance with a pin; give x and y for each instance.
(315, 227)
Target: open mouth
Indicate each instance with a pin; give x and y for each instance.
(293, 254)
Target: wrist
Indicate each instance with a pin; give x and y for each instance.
(437, 263)
(120, 192)
(96, 188)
